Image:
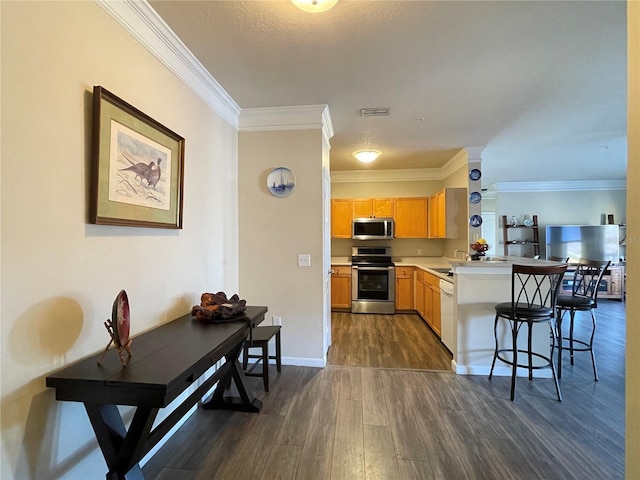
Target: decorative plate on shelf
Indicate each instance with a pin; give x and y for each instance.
(475, 174)
(120, 318)
(281, 182)
(475, 220)
(475, 197)
(527, 222)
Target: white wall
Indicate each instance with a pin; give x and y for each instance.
(59, 274)
(273, 231)
(560, 208)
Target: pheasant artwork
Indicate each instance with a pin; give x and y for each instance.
(147, 171)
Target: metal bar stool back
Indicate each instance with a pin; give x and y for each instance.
(534, 292)
(584, 298)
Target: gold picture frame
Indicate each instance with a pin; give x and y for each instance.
(137, 167)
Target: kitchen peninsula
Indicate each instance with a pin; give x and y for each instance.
(478, 287)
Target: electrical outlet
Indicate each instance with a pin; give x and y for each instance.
(276, 320)
(304, 259)
(419, 252)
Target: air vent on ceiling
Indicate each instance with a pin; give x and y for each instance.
(374, 112)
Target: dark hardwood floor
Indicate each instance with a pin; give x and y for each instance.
(390, 422)
(386, 341)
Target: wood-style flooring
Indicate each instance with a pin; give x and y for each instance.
(385, 341)
(388, 422)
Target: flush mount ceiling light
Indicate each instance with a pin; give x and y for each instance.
(366, 156)
(314, 6)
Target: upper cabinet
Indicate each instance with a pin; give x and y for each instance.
(443, 215)
(341, 218)
(410, 217)
(373, 207)
(448, 213)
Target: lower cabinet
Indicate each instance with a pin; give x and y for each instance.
(434, 312)
(340, 287)
(420, 292)
(428, 299)
(404, 288)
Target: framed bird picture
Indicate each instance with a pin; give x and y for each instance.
(137, 167)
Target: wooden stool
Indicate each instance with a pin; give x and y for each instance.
(260, 339)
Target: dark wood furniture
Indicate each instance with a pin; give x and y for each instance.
(527, 238)
(260, 339)
(166, 361)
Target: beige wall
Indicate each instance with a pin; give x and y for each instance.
(61, 275)
(273, 231)
(633, 247)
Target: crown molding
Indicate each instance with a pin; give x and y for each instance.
(143, 22)
(301, 117)
(391, 175)
(456, 162)
(459, 160)
(560, 186)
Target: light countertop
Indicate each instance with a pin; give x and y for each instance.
(423, 263)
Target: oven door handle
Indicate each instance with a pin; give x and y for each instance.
(356, 267)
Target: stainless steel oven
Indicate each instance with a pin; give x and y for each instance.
(373, 280)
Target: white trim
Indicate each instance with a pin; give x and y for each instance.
(304, 362)
(475, 153)
(143, 22)
(499, 371)
(391, 175)
(560, 186)
(300, 117)
(458, 161)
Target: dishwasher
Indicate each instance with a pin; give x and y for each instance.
(448, 336)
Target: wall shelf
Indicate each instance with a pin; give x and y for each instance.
(523, 235)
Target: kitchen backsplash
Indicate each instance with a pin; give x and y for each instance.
(402, 247)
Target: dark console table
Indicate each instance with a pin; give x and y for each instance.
(165, 362)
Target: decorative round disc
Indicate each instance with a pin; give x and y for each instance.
(120, 318)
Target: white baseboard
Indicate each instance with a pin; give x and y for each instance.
(498, 371)
(299, 362)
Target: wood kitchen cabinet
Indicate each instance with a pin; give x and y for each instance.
(448, 213)
(432, 312)
(372, 207)
(428, 299)
(341, 217)
(340, 287)
(419, 292)
(410, 215)
(404, 288)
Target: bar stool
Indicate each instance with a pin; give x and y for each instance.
(584, 298)
(260, 339)
(534, 290)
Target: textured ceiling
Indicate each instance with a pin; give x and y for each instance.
(540, 85)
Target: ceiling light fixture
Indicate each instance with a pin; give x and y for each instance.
(314, 6)
(366, 156)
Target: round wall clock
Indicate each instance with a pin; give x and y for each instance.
(281, 182)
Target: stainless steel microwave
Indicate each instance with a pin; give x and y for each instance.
(372, 228)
